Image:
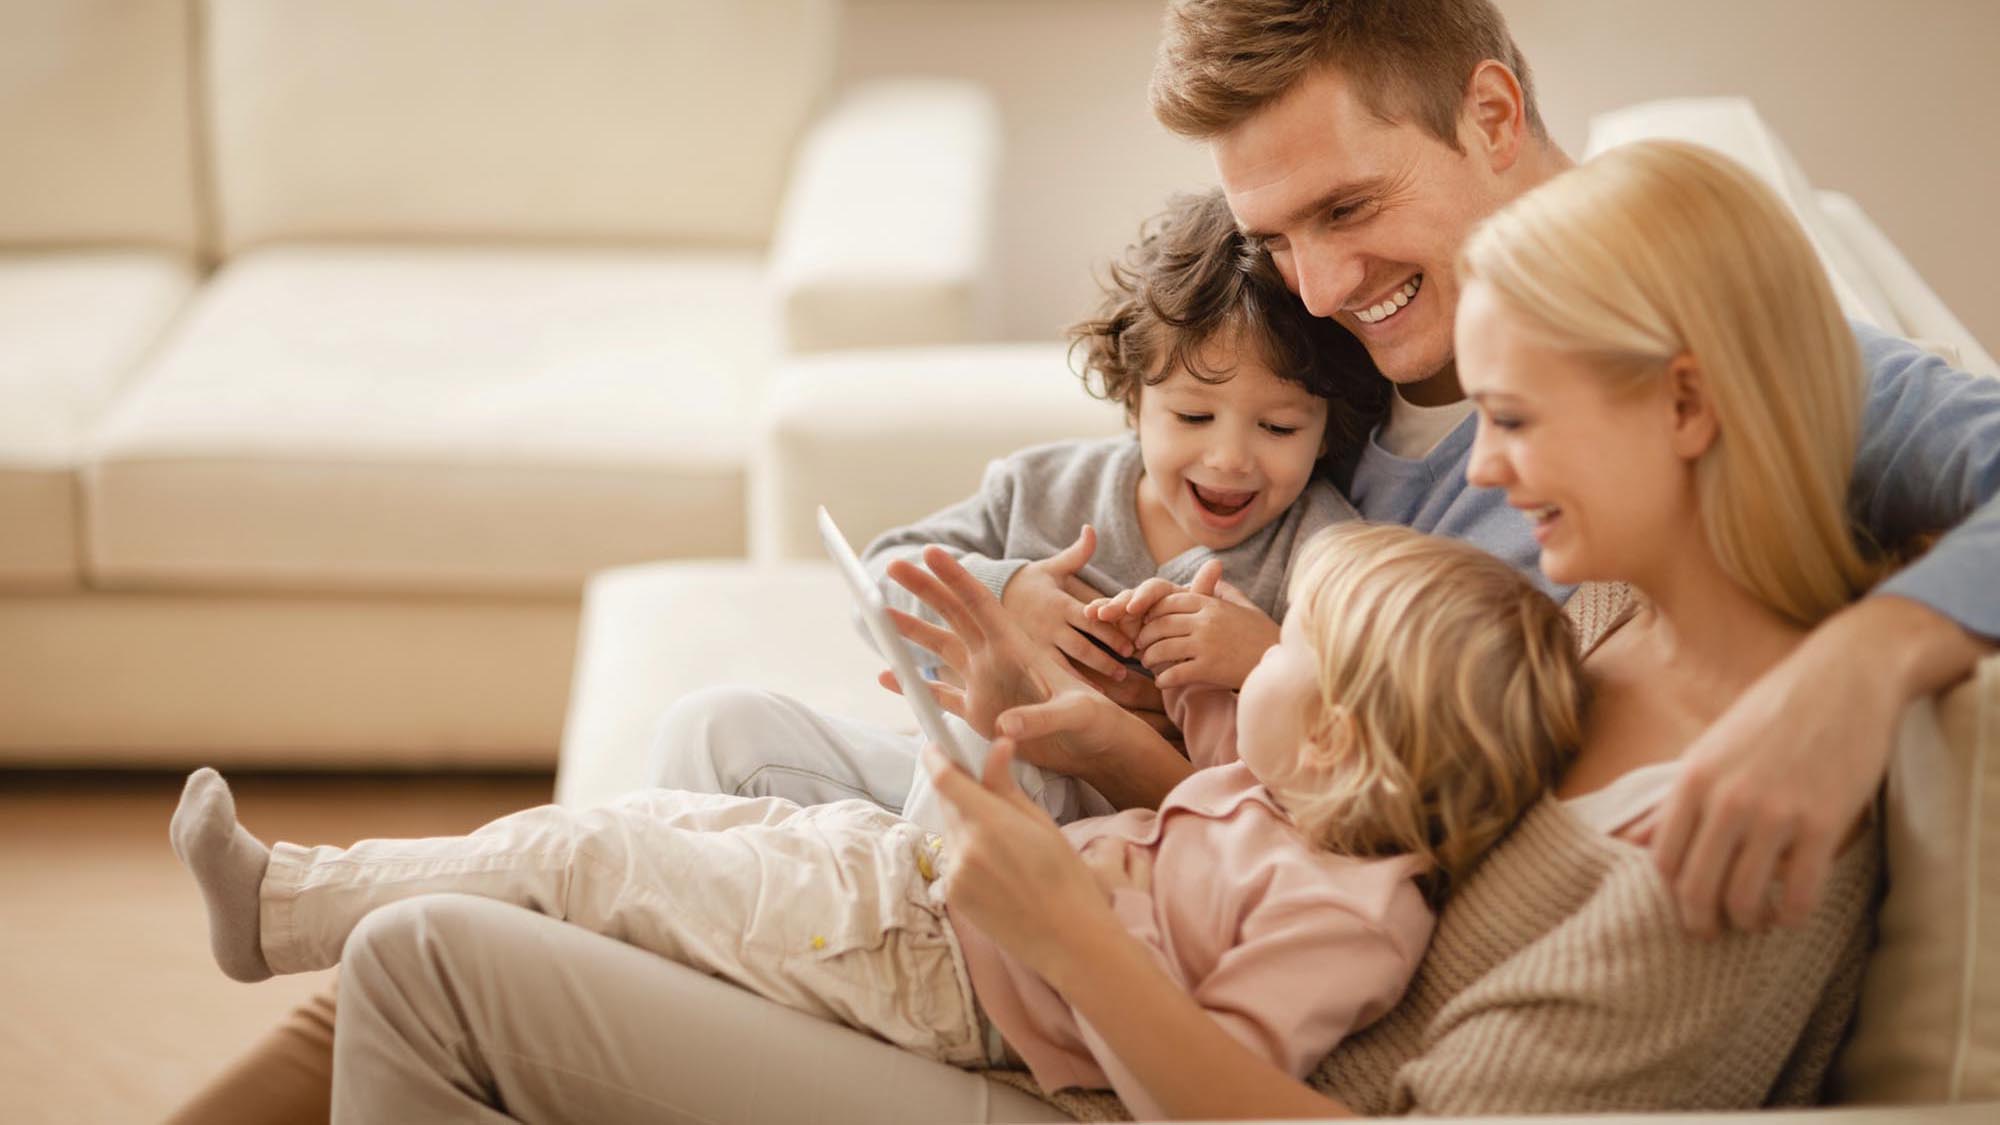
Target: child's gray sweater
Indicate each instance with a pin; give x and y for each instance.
(1034, 502)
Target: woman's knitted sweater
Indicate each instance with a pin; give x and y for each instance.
(1560, 980)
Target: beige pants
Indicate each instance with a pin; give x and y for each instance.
(828, 910)
(463, 1009)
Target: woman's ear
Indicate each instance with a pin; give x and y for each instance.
(1694, 421)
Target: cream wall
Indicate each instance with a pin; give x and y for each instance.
(1887, 102)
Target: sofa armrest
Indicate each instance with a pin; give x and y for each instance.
(886, 233)
(1924, 316)
(884, 438)
(1733, 127)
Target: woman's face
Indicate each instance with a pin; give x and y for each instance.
(1601, 468)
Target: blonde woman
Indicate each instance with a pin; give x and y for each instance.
(1668, 393)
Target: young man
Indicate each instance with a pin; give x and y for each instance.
(1362, 139)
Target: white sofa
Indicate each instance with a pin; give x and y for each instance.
(340, 341)
(883, 438)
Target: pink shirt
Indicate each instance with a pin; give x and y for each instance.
(1289, 947)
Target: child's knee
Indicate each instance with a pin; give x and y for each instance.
(691, 748)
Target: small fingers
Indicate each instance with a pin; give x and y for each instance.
(1206, 579)
(1161, 655)
(1148, 594)
(1072, 558)
(1185, 674)
(1113, 637)
(1159, 628)
(1180, 602)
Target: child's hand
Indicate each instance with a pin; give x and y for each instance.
(1115, 864)
(1047, 600)
(1206, 634)
(1014, 687)
(998, 666)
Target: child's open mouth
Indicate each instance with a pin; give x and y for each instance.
(1220, 507)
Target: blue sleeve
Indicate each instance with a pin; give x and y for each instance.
(1930, 462)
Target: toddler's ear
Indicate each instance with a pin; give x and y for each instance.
(1332, 737)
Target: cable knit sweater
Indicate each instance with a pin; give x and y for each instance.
(1560, 980)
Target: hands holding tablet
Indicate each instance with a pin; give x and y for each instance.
(1024, 694)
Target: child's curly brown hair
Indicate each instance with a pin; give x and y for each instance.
(1194, 274)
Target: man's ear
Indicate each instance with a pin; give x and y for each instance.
(1494, 117)
(1694, 421)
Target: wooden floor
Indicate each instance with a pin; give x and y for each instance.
(110, 1009)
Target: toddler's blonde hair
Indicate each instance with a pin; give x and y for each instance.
(1660, 249)
(1449, 688)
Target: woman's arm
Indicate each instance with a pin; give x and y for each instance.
(1016, 878)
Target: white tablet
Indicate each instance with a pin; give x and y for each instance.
(894, 649)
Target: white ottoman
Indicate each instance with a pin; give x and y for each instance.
(653, 633)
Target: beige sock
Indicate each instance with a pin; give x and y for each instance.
(228, 863)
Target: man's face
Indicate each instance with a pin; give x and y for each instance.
(1363, 218)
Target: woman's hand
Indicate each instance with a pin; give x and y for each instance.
(1011, 872)
(1047, 599)
(998, 663)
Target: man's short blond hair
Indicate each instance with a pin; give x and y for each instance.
(1451, 693)
(1221, 61)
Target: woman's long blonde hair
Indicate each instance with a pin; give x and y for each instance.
(1661, 249)
(1450, 694)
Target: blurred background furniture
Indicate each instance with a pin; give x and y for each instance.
(339, 343)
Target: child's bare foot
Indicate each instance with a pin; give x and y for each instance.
(228, 862)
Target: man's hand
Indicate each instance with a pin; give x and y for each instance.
(1768, 794)
(1207, 633)
(1046, 599)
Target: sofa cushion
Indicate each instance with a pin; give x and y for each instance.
(97, 125)
(72, 328)
(848, 429)
(1929, 1025)
(423, 420)
(670, 120)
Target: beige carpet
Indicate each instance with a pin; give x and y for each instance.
(110, 1009)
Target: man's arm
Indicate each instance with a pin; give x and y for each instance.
(1771, 789)
(1929, 462)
